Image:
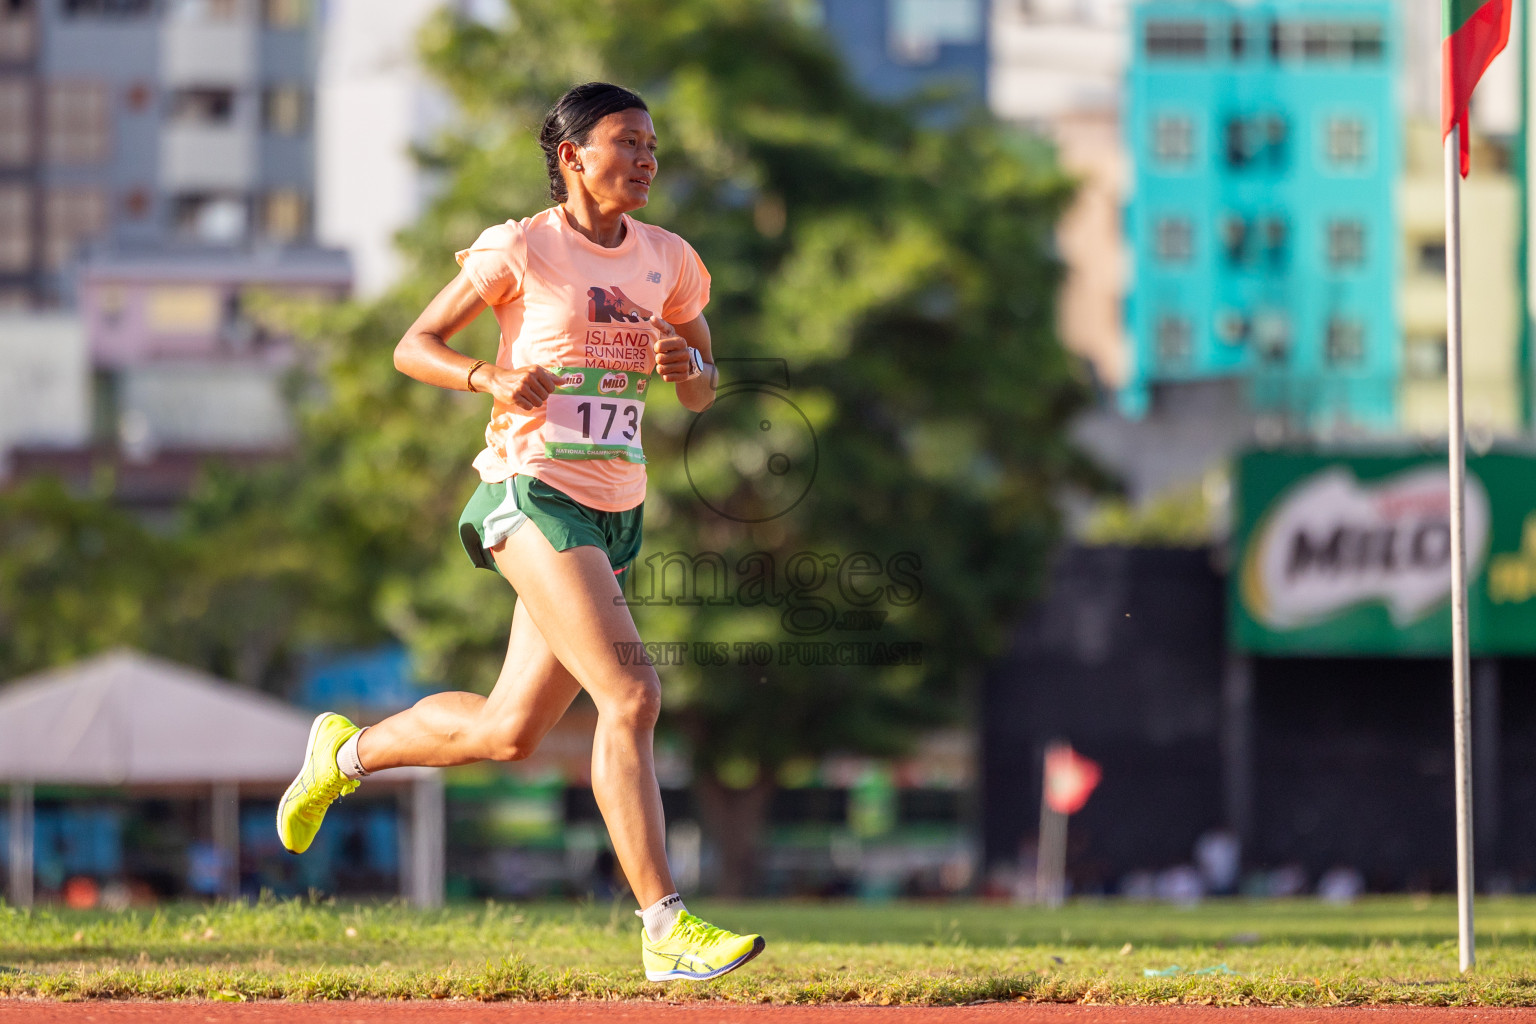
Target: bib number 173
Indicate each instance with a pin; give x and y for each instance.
(593, 427)
(631, 415)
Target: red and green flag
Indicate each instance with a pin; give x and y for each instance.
(1475, 32)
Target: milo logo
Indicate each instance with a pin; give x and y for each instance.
(574, 380)
(1332, 542)
(613, 383)
(640, 386)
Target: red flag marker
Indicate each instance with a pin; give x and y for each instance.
(1069, 779)
(1474, 33)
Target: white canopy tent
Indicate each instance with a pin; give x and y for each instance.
(129, 720)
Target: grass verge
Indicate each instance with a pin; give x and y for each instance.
(1280, 953)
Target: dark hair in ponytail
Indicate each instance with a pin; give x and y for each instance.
(571, 120)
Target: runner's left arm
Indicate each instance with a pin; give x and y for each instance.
(672, 344)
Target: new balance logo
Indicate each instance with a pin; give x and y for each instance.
(654, 277)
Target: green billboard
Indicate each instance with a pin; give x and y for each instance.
(1350, 554)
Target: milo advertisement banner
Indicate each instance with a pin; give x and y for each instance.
(1352, 554)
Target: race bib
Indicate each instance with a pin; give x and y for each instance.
(595, 415)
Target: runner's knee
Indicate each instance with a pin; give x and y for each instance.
(506, 744)
(511, 750)
(637, 705)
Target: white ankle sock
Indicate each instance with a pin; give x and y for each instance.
(346, 758)
(658, 917)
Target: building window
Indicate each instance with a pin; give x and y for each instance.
(15, 228)
(1256, 141)
(71, 217)
(75, 8)
(1235, 240)
(1232, 328)
(1237, 38)
(203, 106)
(183, 309)
(206, 10)
(1346, 243)
(1432, 258)
(1345, 140)
(1345, 342)
(285, 13)
(285, 216)
(78, 125)
(214, 219)
(1424, 355)
(18, 30)
(15, 122)
(1176, 39)
(919, 27)
(1277, 239)
(283, 110)
(1237, 142)
(1172, 340)
(1327, 40)
(1175, 240)
(1173, 140)
(1272, 337)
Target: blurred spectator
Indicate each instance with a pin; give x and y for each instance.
(1286, 880)
(1138, 885)
(205, 869)
(1180, 885)
(1340, 885)
(1219, 855)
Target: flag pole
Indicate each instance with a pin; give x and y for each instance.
(1051, 845)
(1460, 658)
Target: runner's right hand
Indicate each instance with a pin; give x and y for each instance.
(526, 387)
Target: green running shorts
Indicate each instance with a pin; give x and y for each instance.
(496, 511)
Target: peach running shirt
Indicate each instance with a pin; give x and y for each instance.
(568, 304)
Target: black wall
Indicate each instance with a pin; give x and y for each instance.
(1353, 766)
(1124, 660)
(1349, 759)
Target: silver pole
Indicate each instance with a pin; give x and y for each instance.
(427, 841)
(226, 836)
(1051, 845)
(21, 844)
(1461, 695)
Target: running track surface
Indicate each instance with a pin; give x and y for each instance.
(22, 1012)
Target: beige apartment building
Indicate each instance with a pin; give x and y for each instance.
(1057, 68)
(1490, 204)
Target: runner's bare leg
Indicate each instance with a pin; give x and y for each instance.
(531, 694)
(574, 599)
(575, 591)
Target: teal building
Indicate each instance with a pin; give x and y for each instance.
(1265, 143)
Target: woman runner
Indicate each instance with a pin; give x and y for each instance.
(590, 303)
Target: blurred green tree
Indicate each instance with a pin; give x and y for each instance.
(77, 576)
(228, 587)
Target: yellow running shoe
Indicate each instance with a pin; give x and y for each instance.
(696, 950)
(317, 785)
